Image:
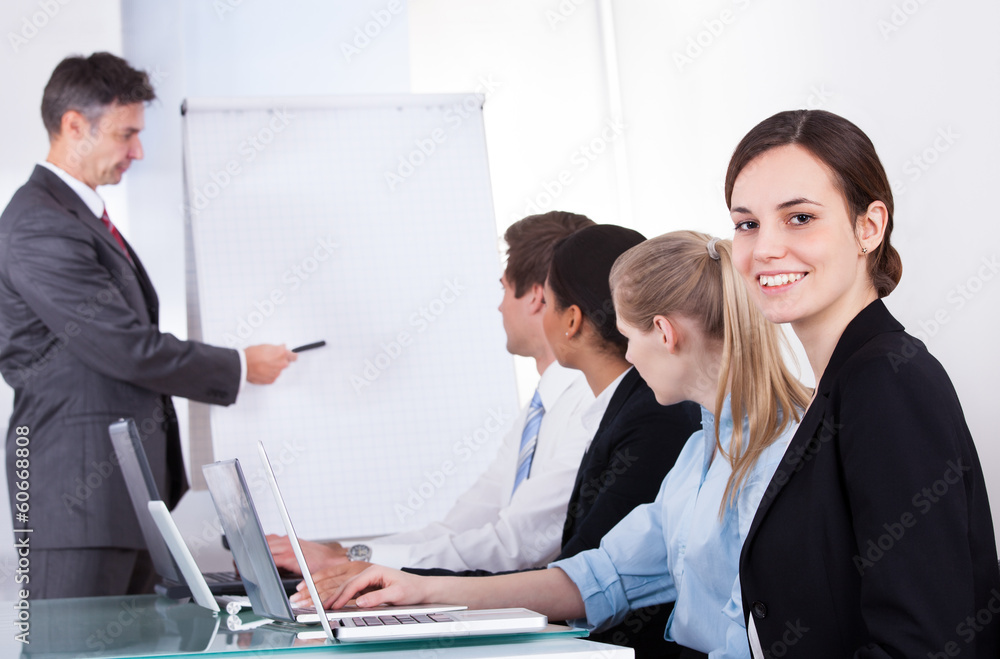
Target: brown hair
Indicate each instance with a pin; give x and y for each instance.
(530, 242)
(849, 155)
(89, 85)
(674, 274)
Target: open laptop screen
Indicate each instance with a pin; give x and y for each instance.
(246, 539)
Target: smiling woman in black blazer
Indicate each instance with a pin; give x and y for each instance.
(874, 538)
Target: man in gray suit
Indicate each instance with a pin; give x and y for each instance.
(80, 345)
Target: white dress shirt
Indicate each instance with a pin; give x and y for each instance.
(82, 190)
(96, 205)
(755, 649)
(594, 414)
(488, 528)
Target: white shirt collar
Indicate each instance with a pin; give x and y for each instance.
(82, 190)
(554, 381)
(591, 419)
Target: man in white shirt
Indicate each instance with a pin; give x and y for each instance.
(499, 525)
(81, 347)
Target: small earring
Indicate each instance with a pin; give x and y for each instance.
(864, 250)
(567, 333)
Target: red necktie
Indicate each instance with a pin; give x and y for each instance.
(114, 232)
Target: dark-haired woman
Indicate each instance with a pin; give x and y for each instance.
(874, 538)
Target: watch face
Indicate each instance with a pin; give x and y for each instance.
(359, 553)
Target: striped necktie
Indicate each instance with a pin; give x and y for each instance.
(529, 439)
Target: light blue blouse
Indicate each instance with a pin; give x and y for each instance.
(678, 549)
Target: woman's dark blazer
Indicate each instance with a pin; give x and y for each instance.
(874, 537)
(636, 444)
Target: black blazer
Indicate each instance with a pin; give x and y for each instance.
(79, 344)
(636, 444)
(874, 538)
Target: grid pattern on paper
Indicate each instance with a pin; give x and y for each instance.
(371, 228)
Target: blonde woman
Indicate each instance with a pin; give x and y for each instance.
(693, 335)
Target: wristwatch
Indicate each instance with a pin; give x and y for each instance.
(359, 553)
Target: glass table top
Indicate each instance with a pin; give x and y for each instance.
(153, 626)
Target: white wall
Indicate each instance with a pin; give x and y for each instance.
(541, 65)
(918, 77)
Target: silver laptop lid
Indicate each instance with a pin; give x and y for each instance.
(247, 541)
(182, 555)
(294, 540)
(142, 489)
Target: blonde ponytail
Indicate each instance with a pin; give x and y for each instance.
(676, 273)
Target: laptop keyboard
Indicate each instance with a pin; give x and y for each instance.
(221, 577)
(384, 621)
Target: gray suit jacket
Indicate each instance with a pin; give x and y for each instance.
(79, 343)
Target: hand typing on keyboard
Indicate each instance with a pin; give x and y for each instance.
(328, 581)
(318, 555)
(380, 585)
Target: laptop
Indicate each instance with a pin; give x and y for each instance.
(234, 504)
(142, 489)
(381, 624)
(182, 555)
